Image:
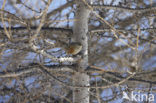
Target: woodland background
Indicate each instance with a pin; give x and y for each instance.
(118, 55)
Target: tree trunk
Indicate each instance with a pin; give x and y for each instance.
(81, 95)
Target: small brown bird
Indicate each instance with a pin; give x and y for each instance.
(73, 48)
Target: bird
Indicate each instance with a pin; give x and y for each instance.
(73, 48)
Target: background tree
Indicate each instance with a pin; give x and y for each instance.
(118, 50)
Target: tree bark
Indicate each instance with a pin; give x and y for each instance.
(81, 95)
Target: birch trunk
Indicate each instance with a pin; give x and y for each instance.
(81, 95)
